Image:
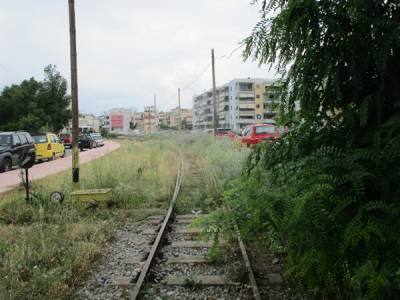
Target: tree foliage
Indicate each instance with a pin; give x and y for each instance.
(36, 105)
(336, 54)
(327, 194)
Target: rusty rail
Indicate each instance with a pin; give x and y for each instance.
(155, 247)
(246, 260)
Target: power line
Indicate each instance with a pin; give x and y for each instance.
(231, 53)
(197, 78)
(226, 56)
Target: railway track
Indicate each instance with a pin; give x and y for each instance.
(176, 266)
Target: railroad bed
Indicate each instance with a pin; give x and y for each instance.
(182, 271)
(162, 258)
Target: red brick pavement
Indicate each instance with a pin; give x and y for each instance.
(10, 179)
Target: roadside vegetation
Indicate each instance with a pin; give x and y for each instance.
(326, 196)
(209, 164)
(45, 248)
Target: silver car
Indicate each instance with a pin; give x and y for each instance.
(98, 139)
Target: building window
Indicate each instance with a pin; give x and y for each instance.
(245, 87)
(258, 96)
(246, 99)
(257, 105)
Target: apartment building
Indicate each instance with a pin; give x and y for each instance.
(240, 102)
(119, 120)
(87, 123)
(150, 122)
(172, 118)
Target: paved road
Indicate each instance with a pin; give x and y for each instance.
(10, 179)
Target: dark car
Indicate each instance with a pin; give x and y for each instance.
(66, 139)
(16, 148)
(86, 141)
(98, 139)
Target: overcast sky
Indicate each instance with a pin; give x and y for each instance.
(128, 50)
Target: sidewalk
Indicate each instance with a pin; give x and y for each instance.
(10, 179)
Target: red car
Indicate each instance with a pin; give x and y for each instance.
(66, 139)
(222, 131)
(254, 134)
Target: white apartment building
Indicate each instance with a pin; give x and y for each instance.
(87, 123)
(119, 120)
(240, 102)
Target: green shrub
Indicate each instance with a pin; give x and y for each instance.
(332, 209)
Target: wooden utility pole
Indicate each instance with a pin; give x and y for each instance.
(74, 94)
(214, 93)
(179, 110)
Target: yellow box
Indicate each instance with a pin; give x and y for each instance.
(98, 195)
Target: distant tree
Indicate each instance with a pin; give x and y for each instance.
(54, 98)
(35, 106)
(132, 125)
(19, 107)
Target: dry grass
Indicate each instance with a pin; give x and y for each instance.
(46, 248)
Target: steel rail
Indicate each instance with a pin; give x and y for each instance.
(155, 247)
(252, 278)
(246, 260)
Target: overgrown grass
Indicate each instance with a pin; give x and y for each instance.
(46, 248)
(209, 163)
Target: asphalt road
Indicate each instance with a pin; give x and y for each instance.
(9, 180)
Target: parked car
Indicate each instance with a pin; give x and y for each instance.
(15, 148)
(66, 139)
(86, 141)
(222, 131)
(48, 147)
(254, 134)
(98, 139)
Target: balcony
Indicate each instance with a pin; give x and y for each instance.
(246, 106)
(245, 121)
(246, 94)
(246, 114)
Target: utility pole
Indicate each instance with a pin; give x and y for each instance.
(149, 108)
(155, 110)
(179, 109)
(214, 93)
(74, 94)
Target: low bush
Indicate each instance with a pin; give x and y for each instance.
(332, 209)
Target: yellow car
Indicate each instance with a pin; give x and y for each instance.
(48, 146)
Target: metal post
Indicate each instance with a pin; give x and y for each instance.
(27, 199)
(74, 94)
(149, 120)
(155, 111)
(179, 110)
(214, 93)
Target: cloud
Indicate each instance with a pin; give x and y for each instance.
(128, 50)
